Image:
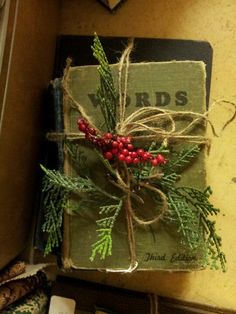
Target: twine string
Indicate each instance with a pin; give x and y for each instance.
(68, 97)
(129, 221)
(123, 67)
(161, 212)
(130, 213)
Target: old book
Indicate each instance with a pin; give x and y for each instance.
(176, 85)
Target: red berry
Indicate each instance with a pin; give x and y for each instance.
(145, 156)
(125, 152)
(135, 160)
(108, 136)
(154, 162)
(161, 159)
(123, 140)
(120, 145)
(82, 127)
(130, 147)
(108, 155)
(115, 144)
(92, 131)
(133, 154)
(114, 151)
(140, 152)
(128, 159)
(121, 157)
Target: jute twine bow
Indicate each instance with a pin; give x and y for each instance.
(151, 123)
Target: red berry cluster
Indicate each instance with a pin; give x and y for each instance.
(119, 146)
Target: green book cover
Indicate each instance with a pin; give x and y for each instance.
(176, 85)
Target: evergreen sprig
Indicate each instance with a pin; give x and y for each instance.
(190, 210)
(77, 156)
(186, 218)
(181, 159)
(54, 178)
(58, 188)
(55, 198)
(200, 201)
(106, 93)
(172, 170)
(103, 246)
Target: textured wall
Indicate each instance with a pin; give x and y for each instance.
(213, 21)
(27, 69)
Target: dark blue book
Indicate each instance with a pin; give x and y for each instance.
(53, 151)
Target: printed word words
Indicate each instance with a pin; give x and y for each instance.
(142, 99)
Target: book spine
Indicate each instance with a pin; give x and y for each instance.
(53, 157)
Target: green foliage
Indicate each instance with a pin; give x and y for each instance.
(185, 217)
(103, 246)
(55, 179)
(180, 160)
(200, 201)
(77, 156)
(106, 93)
(55, 197)
(177, 163)
(58, 188)
(190, 209)
(169, 179)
